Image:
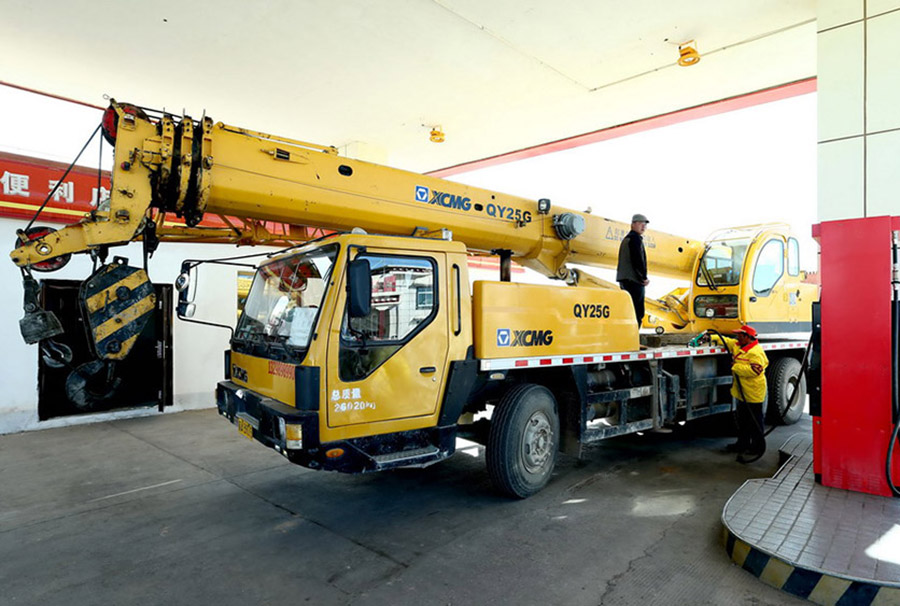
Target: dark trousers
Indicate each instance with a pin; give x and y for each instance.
(636, 291)
(750, 428)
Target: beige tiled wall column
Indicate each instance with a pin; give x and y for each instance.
(859, 108)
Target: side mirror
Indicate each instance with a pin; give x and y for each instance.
(183, 281)
(184, 284)
(359, 288)
(185, 310)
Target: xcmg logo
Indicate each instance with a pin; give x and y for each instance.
(239, 373)
(523, 338)
(423, 194)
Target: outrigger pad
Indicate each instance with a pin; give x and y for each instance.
(37, 324)
(117, 301)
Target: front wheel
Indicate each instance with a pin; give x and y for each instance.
(523, 440)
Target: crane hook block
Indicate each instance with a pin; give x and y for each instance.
(118, 302)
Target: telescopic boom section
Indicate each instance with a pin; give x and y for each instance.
(191, 168)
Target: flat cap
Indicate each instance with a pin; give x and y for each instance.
(639, 217)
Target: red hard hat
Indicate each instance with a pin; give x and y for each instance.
(747, 330)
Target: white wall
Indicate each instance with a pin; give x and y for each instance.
(197, 350)
(43, 127)
(859, 125)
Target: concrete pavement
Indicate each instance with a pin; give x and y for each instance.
(181, 509)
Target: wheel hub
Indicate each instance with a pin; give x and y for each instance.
(537, 442)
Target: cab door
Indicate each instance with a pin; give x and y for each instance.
(389, 366)
(765, 296)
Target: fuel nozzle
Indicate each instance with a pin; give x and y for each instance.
(703, 338)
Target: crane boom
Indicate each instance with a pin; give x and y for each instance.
(194, 167)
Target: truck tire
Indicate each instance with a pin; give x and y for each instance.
(782, 376)
(523, 440)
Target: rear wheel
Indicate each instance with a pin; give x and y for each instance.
(784, 378)
(523, 440)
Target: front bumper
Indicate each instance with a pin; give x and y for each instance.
(267, 416)
(270, 420)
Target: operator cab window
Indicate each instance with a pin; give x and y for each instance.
(722, 263)
(769, 267)
(403, 303)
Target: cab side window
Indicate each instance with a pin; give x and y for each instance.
(769, 267)
(404, 296)
(793, 257)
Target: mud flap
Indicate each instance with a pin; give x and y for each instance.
(118, 301)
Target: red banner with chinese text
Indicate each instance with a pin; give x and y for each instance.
(25, 183)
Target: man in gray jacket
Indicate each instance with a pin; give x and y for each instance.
(631, 272)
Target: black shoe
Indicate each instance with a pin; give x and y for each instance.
(749, 457)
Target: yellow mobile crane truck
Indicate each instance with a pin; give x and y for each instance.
(366, 349)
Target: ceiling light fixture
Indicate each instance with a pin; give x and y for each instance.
(688, 54)
(437, 135)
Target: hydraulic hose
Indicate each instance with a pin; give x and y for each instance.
(804, 368)
(895, 359)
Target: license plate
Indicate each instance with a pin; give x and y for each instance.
(245, 428)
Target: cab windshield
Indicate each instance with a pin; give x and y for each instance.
(284, 300)
(722, 262)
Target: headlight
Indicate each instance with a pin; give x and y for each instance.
(293, 436)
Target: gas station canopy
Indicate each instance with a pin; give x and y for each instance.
(492, 76)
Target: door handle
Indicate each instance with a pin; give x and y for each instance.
(753, 299)
(427, 370)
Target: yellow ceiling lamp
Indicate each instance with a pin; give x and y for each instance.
(437, 135)
(688, 54)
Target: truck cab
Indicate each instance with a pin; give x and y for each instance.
(320, 380)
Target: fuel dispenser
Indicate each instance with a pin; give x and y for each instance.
(854, 367)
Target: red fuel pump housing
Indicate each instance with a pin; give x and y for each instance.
(854, 419)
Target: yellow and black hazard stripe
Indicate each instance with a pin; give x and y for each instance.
(118, 301)
(813, 585)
